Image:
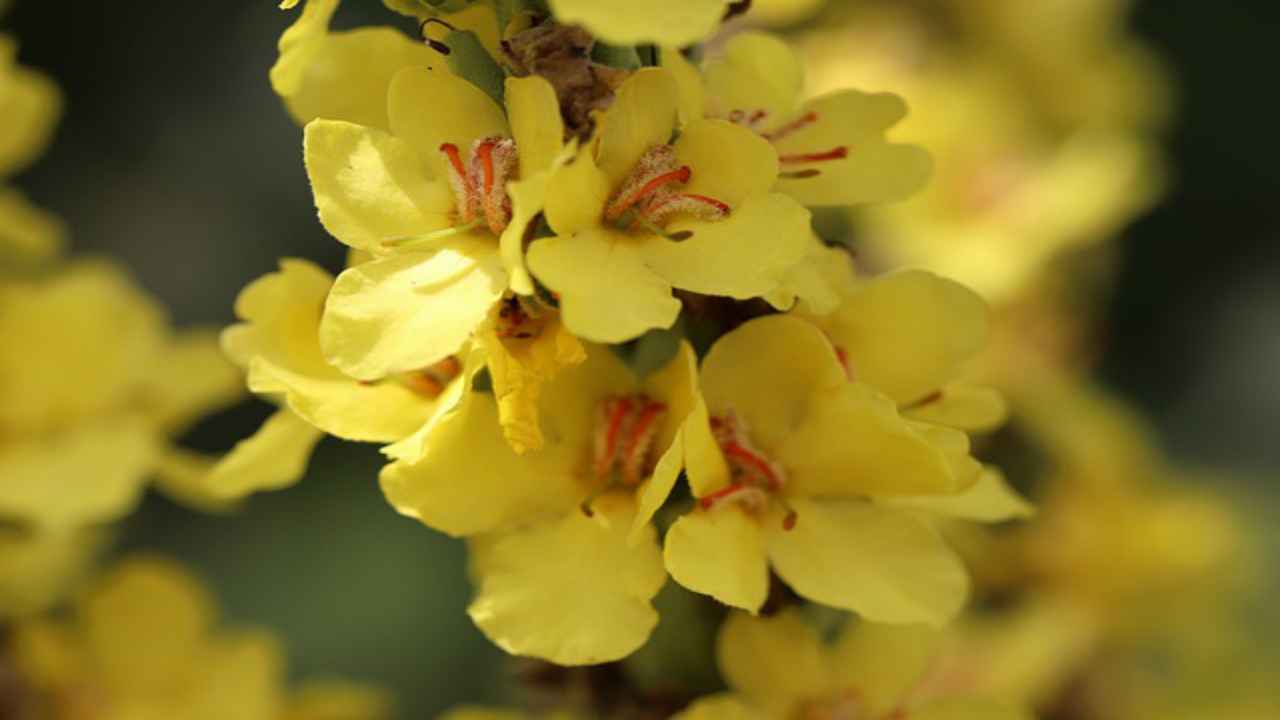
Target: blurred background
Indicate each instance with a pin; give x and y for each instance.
(176, 157)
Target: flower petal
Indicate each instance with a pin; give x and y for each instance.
(873, 170)
(757, 71)
(607, 292)
(643, 114)
(32, 103)
(909, 333)
(970, 709)
(621, 22)
(571, 591)
(777, 661)
(729, 162)
(721, 553)
(742, 256)
(989, 500)
(92, 472)
(29, 236)
(429, 107)
(722, 706)
(192, 378)
(815, 285)
(965, 407)
(536, 124)
(410, 310)
(273, 458)
(692, 96)
(765, 371)
(851, 443)
(576, 196)
(884, 662)
(886, 565)
(675, 385)
(371, 187)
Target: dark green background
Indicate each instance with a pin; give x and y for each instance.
(176, 157)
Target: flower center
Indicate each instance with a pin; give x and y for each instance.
(480, 184)
(754, 477)
(651, 195)
(520, 317)
(757, 120)
(624, 436)
(430, 381)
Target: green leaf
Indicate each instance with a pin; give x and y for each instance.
(469, 60)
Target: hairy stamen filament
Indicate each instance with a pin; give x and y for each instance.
(837, 153)
(624, 203)
(624, 437)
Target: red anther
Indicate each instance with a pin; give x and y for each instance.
(616, 411)
(754, 461)
(485, 152)
(708, 501)
(721, 207)
(455, 158)
(800, 122)
(638, 438)
(929, 399)
(618, 207)
(789, 522)
(757, 116)
(838, 153)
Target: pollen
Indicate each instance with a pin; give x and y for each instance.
(624, 437)
(430, 382)
(480, 184)
(651, 196)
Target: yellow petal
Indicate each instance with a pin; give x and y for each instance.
(989, 500)
(345, 75)
(884, 662)
(479, 713)
(430, 107)
(576, 196)
(281, 338)
(371, 187)
(29, 236)
(815, 285)
(37, 568)
(643, 114)
(729, 162)
(274, 457)
(971, 709)
(742, 256)
(758, 71)
(873, 171)
(851, 442)
(688, 83)
(723, 706)
(519, 368)
(777, 662)
(339, 700)
(456, 394)
(410, 310)
(32, 103)
(965, 407)
(571, 591)
(666, 22)
(536, 124)
(607, 292)
(909, 333)
(145, 623)
(527, 200)
(705, 465)
(470, 481)
(721, 553)
(886, 565)
(192, 378)
(676, 386)
(244, 676)
(93, 472)
(765, 371)
(183, 475)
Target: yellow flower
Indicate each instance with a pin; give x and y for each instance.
(778, 667)
(278, 344)
(36, 569)
(341, 75)
(831, 149)
(442, 206)
(799, 468)
(665, 22)
(638, 216)
(94, 384)
(29, 107)
(145, 644)
(338, 700)
(566, 561)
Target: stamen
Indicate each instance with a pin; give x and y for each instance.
(843, 356)
(413, 241)
(614, 412)
(465, 198)
(430, 381)
(639, 442)
(746, 463)
(929, 399)
(750, 497)
(624, 437)
(622, 204)
(801, 122)
(838, 153)
(699, 206)
(493, 163)
(800, 174)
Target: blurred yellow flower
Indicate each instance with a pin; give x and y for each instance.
(29, 107)
(800, 468)
(779, 667)
(338, 700)
(95, 384)
(831, 149)
(639, 216)
(37, 568)
(566, 561)
(623, 22)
